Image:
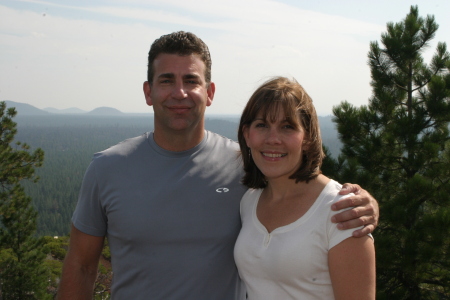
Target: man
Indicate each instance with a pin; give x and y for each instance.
(168, 201)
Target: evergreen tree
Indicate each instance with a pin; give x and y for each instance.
(396, 148)
(22, 272)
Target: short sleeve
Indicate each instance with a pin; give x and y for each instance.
(335, 235)
(89, 216)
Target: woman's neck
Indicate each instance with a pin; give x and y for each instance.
(279, 189)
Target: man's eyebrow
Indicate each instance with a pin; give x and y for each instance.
(171, 76)
(166, 75)
(191, 76)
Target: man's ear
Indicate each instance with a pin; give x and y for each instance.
(210, 91)
(147, 92)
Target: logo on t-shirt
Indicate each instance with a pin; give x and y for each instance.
(222, 190)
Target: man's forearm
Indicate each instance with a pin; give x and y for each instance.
(80, 266)
(76, 283)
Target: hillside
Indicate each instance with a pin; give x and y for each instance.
(69, 142)
(26, 109)
(105, 111)
(70, 111)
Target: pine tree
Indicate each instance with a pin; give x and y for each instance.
(22, 272)
(397, 148)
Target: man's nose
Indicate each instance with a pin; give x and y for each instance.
(179, 91)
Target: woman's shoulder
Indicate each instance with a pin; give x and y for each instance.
(251, 195)
(330, 193)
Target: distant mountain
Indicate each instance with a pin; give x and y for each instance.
(326, 121)
(72, 110)
(106, 111)
(25, 109)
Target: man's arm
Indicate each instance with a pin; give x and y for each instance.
(80, 266)
(365, 211)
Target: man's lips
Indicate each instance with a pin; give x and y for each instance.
(179, 109)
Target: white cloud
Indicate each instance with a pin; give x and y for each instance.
(62, 61)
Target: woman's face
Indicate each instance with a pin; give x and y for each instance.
(276, 147)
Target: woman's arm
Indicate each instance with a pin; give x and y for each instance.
(352, 269)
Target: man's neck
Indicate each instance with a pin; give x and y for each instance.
(178, 141)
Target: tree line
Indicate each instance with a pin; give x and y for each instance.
(69, 143)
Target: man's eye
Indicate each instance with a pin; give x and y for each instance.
(261, 125)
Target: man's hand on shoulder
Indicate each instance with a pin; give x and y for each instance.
(365, 211)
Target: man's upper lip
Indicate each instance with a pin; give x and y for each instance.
(178, 107)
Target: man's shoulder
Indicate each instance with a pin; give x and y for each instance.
(216, 138)
(124, 148)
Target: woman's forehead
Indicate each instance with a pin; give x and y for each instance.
(279, 116)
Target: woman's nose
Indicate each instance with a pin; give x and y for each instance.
(273, 136)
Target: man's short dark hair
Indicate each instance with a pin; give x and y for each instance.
(180, 43)
(282, 94)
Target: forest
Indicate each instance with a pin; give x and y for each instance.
(69, 141)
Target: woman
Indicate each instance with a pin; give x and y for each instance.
(288, 248)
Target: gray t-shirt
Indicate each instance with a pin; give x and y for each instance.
(171, 218)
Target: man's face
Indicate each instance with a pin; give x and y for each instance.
(179, 93)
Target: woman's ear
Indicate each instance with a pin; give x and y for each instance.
(305, 144)
(245, 133)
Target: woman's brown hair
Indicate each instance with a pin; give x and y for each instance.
(281, 93)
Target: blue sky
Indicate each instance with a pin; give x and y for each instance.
(88, 54)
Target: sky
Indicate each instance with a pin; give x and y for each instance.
(93, 53)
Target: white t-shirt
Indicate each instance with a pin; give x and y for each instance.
(291, 262)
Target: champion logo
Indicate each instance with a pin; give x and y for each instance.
(222, 190)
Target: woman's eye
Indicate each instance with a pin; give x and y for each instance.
(260, 125)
